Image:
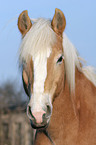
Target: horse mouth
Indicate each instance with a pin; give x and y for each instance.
(39, 126)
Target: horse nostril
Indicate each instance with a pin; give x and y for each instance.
(44, 115)
(30, 110)
(48, 111)
(29, 113)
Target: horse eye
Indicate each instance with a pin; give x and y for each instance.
(60, 59)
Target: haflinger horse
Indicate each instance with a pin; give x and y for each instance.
(61, 90)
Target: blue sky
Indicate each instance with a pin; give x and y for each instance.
(81, 29)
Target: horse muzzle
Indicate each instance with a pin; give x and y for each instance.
(39, 119)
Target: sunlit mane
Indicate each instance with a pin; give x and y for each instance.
(39, 39)
(72, 61)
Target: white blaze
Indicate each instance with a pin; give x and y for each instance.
(40, 74)
(39, 99)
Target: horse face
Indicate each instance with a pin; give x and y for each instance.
(41, 80)
(42, 75)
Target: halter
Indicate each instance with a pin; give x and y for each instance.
(47, 134)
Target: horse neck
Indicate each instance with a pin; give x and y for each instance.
(71, 112)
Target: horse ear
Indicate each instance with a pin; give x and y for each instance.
(58, 22)
(24, 22)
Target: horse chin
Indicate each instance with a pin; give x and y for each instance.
(39, 126)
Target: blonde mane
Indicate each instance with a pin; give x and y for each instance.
(41, 36)
(72, 61)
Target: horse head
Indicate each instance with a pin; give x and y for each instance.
(42, 61)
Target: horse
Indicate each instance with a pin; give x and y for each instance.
(61, 89)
